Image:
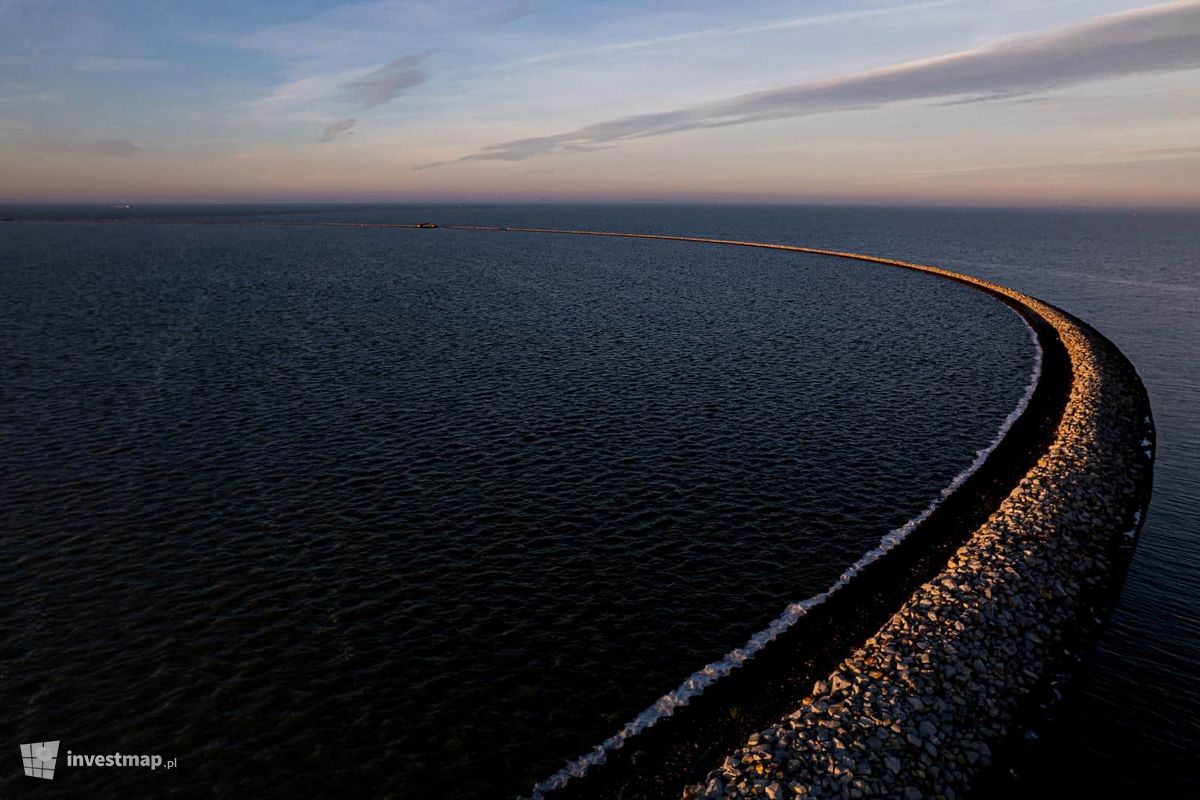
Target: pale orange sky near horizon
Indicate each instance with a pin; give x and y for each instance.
(1042, 103)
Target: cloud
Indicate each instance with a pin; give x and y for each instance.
(348, 33)
(118, 64)
(1176, 158)
(386, 83)
(341, 34)
(514, 12)
(336, 129)
(726, 31)
(109, 147)
(1159, 38)
(296, 98)
(97, 147)
(307, 99)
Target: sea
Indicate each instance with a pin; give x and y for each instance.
(360, 511)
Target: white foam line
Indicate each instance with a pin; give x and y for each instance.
(696, 684)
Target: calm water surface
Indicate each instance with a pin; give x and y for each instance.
(384, 509)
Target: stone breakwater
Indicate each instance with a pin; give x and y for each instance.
(998, 585)
(920, 709)
(928, 704)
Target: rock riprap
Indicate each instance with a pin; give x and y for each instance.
(920, 708)
(925, 706)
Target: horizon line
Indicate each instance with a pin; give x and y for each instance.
(743, 201)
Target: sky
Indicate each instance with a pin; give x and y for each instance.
(1007, 102)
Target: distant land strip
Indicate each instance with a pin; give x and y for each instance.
(999, 586)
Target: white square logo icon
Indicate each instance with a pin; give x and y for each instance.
(39, 759)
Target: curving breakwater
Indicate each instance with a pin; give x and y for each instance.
(996, 582)
(937, 701)
(1039, 532)
(940, 694)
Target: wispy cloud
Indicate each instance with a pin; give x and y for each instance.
(514, 12)
(96, 147)
(1164, 37)
(110, 147)
(725, 31)
(118, 64)
(386, 83)
(346, 33)
(336, 129)
(1105, 160)
(310, 98)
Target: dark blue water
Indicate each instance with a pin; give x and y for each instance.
(426, 513)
